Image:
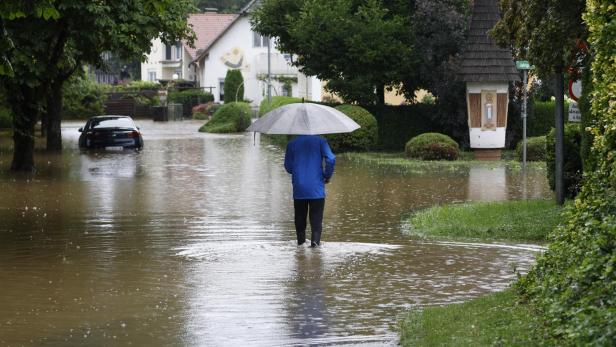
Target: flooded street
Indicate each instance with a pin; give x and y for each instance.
(191, 242)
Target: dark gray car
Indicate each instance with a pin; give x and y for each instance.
(110, 132)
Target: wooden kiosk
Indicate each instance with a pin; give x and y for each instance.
(487, 70)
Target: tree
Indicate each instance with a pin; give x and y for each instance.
(363, 47)
(47, 51)
(234, 86)
(547, 34)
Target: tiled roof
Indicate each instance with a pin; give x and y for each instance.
(483, 60)
(207, 27)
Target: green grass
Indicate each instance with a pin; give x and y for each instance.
(400, 163)
(493, 320)
(524, 220)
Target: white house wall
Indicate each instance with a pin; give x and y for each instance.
(239, 38)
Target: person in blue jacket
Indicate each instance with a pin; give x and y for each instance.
(310, 162)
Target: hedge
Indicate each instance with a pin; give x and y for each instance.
(572, 169)
(190, 96)
(536, 149)
(397, 124)
(541, 117)
(573, 284)
(277, 101)
(234, 86)
(362, 139)
(232, 117)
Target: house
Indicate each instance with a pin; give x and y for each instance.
(165, 61)
(239, 47)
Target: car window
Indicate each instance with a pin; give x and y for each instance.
(111, 123)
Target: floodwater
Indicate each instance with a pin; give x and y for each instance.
(190, 242)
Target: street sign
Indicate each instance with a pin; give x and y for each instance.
(523, 65)
(575, 89)
(574, 113)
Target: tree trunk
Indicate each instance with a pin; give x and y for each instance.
(54, 110)
(559, 134)
(380, 94)
(24, 118)
(43, 125)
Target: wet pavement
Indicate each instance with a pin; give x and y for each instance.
(190, 242)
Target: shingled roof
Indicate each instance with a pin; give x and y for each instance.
(483, 60)
(207, 26)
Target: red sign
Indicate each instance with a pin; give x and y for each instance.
(575, 89)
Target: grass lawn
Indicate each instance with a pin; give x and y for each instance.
(493, 320)
(523, 220)
(400, 163)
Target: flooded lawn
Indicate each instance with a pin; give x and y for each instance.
(191, 242)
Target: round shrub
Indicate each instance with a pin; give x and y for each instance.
(277, 101)
(233, 117)
(535, 149)
(432, 146)
(361, 139)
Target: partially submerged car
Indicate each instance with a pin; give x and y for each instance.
(110, 132)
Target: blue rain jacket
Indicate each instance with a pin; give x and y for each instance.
(304, 161)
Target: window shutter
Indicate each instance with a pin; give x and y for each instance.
(502, 104)
(474, 109)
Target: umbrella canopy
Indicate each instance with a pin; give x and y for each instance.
(304, 119)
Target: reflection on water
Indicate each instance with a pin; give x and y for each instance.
(191, 242)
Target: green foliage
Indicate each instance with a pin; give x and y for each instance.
(536, 149)
(432, 146)
(6, 120)
(362, 139)
(277, 101)
(231, 117)
(573, 284)
(83, 98)
(191, 97)
(397, 124)
(542, 32)
(572, 170)
(362, 46)
(234, 86)
(541, 117)
(503, 220)
(491, 320)
(204, 111)
(137, 86)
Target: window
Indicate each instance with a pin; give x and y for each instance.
(287, 57)
(221, 88)
(259, 40)
(152, 76)
(173, 52)
(178, 51)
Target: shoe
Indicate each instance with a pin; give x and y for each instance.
(314, 245)
(300, 243)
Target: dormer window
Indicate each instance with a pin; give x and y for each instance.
(173, 52)
(259, 40)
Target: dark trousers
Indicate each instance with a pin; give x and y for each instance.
(314, 208)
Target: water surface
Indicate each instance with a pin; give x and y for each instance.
(190, 242)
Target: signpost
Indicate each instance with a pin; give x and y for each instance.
(524, 66)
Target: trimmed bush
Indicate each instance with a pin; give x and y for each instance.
(190, 96)
(536, 149)
(432, 146)
(83, 98)
(277, 101)
(234, 86)
(363, 139)
(572, 170)
(233, 117)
